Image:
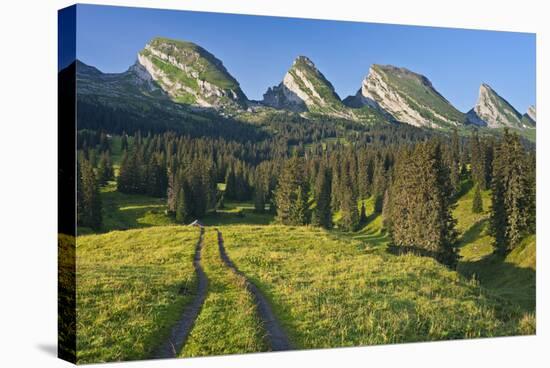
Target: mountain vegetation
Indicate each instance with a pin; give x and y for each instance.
(388, 218)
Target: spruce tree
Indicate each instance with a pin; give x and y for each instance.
(512, 194)
(182, 207)
(386, 209)
(477, 203)
(230, 185)
(123, 178)
(477, 160)
(173, 189)
(290, 195)
(90, 202)
(421, 218)
(198, 189)
(363, 214)
(259, 198)
(124, 142)
(322, 215)
(454, 162)
(379, 185)
(105, 171)
(348, 207)
(299, 208)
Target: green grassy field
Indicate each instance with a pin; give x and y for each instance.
(228, 323)
(328, 288)
(66, 295)
(130, 211)
(131, 288)
(512, 278)
(329, 292)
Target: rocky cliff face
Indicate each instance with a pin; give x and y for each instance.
(305, 88)
(493, 111)
(407, 96)
(529, 119)
(189, 74)
(532, 113)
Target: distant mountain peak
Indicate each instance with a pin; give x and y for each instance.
(407, 96)
(303, 59)
(532, 112)
(494, 111)
(190, 74)
(305, 88)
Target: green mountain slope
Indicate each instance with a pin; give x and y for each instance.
(407, 96)
(512, 278)
(493, 111)
(190, 74)
(305, 88)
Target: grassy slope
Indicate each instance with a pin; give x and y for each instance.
(329, 292)
(66, 296)
(127, 211)
(228, 323)
(131, 287)
(511, 278)
(329, 288)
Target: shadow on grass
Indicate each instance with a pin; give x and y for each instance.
(243, 216)
(473, 233)
(465, 187)
(514, 285)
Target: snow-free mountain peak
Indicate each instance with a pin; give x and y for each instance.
(190, 74)
(493, 111)
(407, 96)
(305, 88)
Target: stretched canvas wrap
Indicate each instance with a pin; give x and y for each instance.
(220, 194)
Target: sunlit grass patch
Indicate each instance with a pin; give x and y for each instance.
(329, 292)
(131, 288)
(228, 323)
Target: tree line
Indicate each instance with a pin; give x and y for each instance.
(413, 183)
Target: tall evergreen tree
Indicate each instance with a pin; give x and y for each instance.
(173, 189)
(511, 194)
(477, 160)
(90, 202)
(290, 195)
(454, 162)
(477, 203)
(322, 215)
(259, 198)
(350, 213)
(379, 185)
(363, 214)
(182, 206)
(422, 179)
(105, 170)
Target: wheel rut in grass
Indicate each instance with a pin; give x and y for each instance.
(179, 333)
(276, 336)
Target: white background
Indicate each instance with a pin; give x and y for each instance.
(28, 180)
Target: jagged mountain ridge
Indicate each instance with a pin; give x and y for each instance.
(493, 111)
(189, 76)
(407, 97)
(304, 88)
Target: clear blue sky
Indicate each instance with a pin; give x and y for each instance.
(257, 51)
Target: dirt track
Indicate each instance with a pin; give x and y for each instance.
(173, 345)
(276, 336)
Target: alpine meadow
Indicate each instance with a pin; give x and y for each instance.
(210, 223)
